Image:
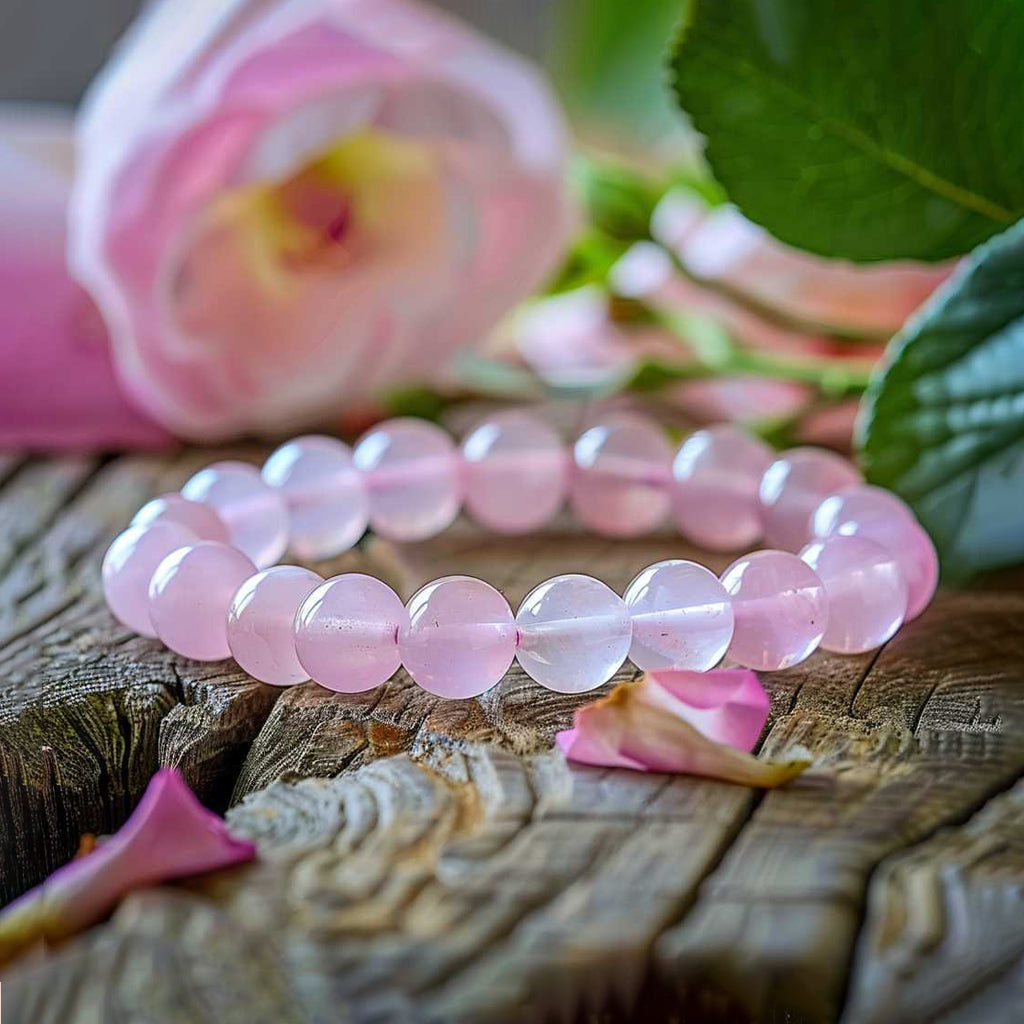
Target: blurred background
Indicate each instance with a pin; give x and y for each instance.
(606, 66)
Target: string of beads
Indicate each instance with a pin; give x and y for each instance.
(846, 563)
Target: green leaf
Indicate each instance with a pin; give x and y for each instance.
(943, 425)
(606, 61)
(881, 129)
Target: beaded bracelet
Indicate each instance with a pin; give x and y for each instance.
(186, 569)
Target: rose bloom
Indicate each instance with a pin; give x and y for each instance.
(284, 208)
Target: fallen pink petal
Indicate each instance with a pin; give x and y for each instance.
(681, 723)
(170, 835)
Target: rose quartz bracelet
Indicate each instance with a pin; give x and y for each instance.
(186, 569)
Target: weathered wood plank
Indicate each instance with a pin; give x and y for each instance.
(944, 937)
(426, 860)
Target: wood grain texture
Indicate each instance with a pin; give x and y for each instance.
(433, 861)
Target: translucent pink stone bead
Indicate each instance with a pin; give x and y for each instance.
(515, 473)
(261, 623)
(621, 477)
(867, 596)
(682, 617)
(460, 639)
(780, 609)
(190, 594)
(255, 514)
(717, 475)
(412, 472)
(328, 504)
(346, 633)
(129, 564)
(201, 519)
(574, 633)
(793, 487)
(881, 516)
(859, 507)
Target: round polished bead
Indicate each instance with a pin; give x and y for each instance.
(255, 514)
(717, 474)
(346, 633)
(202, 520)
(860, 507)
(412, 472)
(682, 617)
(460, 639)
(622, 469)
(881, 516)
(129, 564)
(780, 609)
(793, 487)
(328, 505)
(867, 595)
(261, 623)
(574, 633)
(190, 594)
(515, 473)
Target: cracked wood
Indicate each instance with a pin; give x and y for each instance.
(425, 860)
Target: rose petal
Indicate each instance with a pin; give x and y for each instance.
(169, 835)
(57, 383)
(721, 245)
(654, 725)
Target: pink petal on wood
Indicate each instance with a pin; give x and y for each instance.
(655, 725)
(169, 835)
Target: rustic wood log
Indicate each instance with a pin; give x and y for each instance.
(435, 861)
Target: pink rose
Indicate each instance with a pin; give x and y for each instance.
(57, 384)
(283, 208)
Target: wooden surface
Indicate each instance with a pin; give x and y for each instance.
(433, 861)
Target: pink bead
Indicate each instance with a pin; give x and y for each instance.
(346, 633)
(129, 564)
(261, 623)
(622, 473)
(328, 504)
(717, 474)
(682, 617)
(574, 633)
(461, 637)
(859, 507)
(515, 473)
(189, 598)
(884, 518)
(793, 487)
(201, 519)
(780, 609)
(412, 471)
(254, 513)
(919, 563)
(867, 595)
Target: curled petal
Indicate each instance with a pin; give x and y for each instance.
(670, 722)
(169, 835)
